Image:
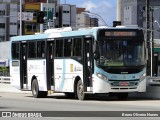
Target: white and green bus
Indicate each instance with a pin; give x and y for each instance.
(80, 62)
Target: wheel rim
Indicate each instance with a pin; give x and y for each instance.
(80, 90)
(34, 90)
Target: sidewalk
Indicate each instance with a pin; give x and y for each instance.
(6, 87)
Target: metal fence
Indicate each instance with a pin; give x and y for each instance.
(153, 81)
(4, 79)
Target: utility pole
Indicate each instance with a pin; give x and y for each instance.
(148, 37)
(20, 29)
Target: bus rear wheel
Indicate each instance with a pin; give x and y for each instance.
(35, 90)
(80, 91)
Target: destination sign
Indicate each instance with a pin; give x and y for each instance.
(120, 33)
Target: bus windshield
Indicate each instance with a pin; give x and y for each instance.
(120, 53)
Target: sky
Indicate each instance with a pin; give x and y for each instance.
(105, 8)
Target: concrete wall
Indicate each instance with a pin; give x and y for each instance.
(68, 15)
(129, 12)
(5, 50)
(13, 20)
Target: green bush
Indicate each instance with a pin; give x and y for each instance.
(3, 70)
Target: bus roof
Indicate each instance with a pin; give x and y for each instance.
(78, 32)
(60, 32)
(30, 37)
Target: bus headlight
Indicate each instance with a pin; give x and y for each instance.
(142, 77)
(101, 76)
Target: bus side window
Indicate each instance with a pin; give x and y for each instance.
(67, 47)
(59, 48)
(40, 49)
(77, 47)
(32, 50)
(15, 50)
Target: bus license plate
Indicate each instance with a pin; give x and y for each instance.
(123, 83)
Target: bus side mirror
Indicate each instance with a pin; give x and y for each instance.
(95, 51)
(96, 55)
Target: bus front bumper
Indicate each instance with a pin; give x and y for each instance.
(104, 86)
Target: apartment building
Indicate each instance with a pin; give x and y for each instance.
(84, 20)
(66, 15)
(8, 20)
(133, 12)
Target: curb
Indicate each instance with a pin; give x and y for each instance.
(7, 88)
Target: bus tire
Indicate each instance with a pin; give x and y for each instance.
(122, 96)
(80, 91)
(35, 90)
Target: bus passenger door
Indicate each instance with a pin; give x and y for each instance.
(88, 63)
(50, 65)
(23, 66)
(155, 65)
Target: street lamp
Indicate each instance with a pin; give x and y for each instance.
(88, 12)
(157, 23)
(152, 40)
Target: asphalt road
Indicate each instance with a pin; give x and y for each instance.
(59, 102)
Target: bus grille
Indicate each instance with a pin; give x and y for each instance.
(124, 88)
(121, 83)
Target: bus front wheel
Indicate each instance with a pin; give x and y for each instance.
(80, 91)
(35, 90)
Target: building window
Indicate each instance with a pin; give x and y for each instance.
(12, 35)
(31, 27)
(13, 23)
(30, 0)
(2, 12)
(2, 25)
(2, 38)
(127, 8)
(57, 14)
(65, 11)
(65, 25)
